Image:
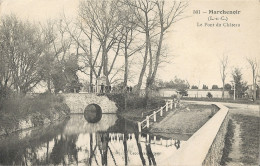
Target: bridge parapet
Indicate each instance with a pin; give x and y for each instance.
(77, 102)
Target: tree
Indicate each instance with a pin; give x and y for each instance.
(70, 72)
(223, 71)
(205, 87)
(255, 69)
(228, 87)
(154, 20)
(215, 87)
(194, 87)
(145, 21)
(240, 85)
(21, 49)
(59, 65)
(165, 20)
(101, 18)
(129, 33)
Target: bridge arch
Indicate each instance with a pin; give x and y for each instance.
(93, 113)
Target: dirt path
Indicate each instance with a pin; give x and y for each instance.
(235, 153)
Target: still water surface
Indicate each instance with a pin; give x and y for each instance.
(75, 141)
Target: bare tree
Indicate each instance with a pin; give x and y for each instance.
(154, 21)
(103, 20)
(255, 69)
(145, 21)
(130, 36)
(223, 71)
(166, 18)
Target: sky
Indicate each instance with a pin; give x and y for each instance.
(193, 51)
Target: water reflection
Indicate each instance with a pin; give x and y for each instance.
(78, 124)
(79, 143)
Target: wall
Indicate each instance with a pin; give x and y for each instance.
(77, 102)
(204, 147)
(167, 92)
(203, 93)
(216, 150)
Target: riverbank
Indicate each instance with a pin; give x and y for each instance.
(183, 120)
(23, 112)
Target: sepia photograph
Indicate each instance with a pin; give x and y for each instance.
(130, 82)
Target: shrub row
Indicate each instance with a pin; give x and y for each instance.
(132, 101)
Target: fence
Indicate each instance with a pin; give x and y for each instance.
(153, 116)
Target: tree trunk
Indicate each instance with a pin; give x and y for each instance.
(126, 64)
(148, 80)
(140, 80)
(152, 75)
(147, 37)
(105, 61)
(223, 89)
(158, 54)
(254, 89)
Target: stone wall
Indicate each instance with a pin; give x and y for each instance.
(216, 150)
(205, 146)
(77, 102)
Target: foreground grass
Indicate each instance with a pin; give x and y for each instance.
(250, 135)
(229, 138)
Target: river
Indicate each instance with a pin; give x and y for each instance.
(75, 141)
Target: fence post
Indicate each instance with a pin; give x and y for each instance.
(167, 106)
(147, 121)
(154, 116)
(171, 104)
(175, 105)
(139, 127)
(161, 111)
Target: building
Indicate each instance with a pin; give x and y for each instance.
(216, 93)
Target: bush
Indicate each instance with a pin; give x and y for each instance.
(209, 95)
(118, 98)
(135, 101)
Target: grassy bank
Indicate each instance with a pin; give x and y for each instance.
(38, 109)
(184, 121)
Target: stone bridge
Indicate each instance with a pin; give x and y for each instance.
(77, 102)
